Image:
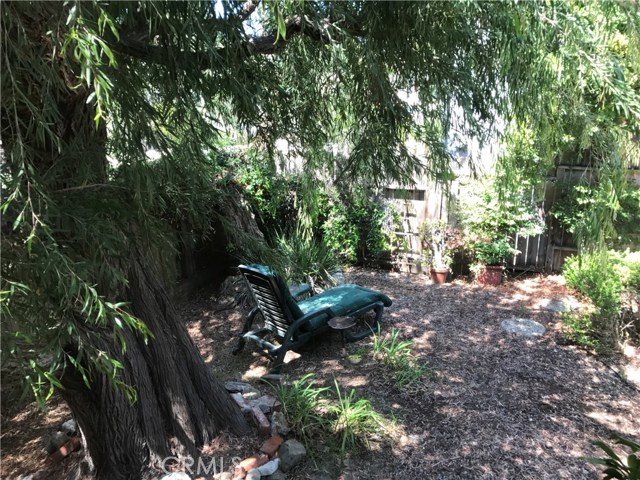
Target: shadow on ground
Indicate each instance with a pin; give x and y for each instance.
(496, 406)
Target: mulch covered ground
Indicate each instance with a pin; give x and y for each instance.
(493, 406)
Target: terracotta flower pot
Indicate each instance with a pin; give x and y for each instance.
(490, 275)
(439, 275)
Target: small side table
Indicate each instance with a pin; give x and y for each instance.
(341, 324)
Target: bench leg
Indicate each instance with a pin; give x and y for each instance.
(247, 326)
(378, 308)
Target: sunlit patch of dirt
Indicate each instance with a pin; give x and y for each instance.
(494, 405)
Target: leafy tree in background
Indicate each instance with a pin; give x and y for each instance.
(589, 108)
(89, 87)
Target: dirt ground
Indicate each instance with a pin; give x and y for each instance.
(495, 406)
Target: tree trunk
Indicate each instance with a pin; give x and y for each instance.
(180, 404)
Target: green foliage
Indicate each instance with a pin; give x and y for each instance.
(397, 356)
(522, 164)
(494, 216)
(580, 330)
(589, 109)
(605, 278)
(301, 403)
(312, 415)
(581, 207)
(391, 348)
(305, 259)
(355, 228)
(170, 75)
(354, 420)
(594, 276)
(494, 253)
(273, 195)
(487, 217)
(616, 467)
(440, 240)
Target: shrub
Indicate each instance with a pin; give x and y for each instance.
(593, 276)
(305, 259)
(356, 228)
(493, 253)
(611, 280)
(440, 241)
(615, 467)
(579, 329)
(313, 417)
(581, 208)
(488, 217)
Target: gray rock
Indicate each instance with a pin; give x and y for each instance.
(566, 304)
(269, 468)
(248, 391)
(279, 424)
(278, 475)
(70, 427)
(523, 326)
(253, 474)
(266, 403)
(57, 440)
(291, 453)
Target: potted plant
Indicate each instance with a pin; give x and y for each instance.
(491, 257)
(438, 241)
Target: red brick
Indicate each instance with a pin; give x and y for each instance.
(261, 422)
(64, 451)
(270, 447)
(254, 461)
(267, 404)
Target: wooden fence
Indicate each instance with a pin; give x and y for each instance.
(540, 253)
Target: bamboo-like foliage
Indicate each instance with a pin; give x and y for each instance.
(589, 65)
(89, 87)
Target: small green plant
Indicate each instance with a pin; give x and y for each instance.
(439, 240)
(593, 275)
(358, 355)
(494, 252)
(408, 372)
(397, 355)
(615, 467)
(392, 349)
(579, 330)
(354, 421)
(301, 402)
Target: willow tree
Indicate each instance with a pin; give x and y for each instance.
(589, 108)
(89, 87)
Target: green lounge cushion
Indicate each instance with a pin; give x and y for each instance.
(342, 300)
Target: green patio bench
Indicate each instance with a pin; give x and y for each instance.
(293, 323)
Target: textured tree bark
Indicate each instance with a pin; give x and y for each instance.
(180, 404)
